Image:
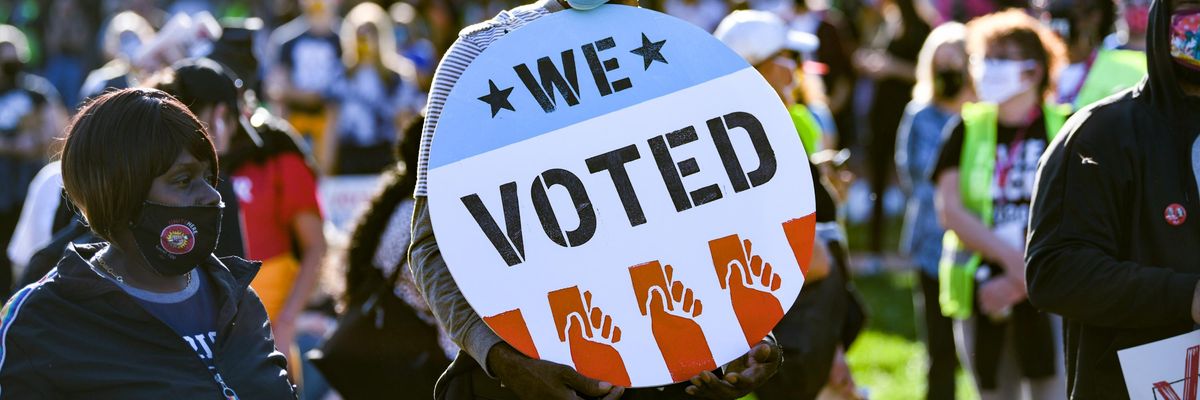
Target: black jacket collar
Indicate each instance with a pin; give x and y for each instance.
(80, 280)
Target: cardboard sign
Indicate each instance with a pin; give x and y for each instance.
(344, 198)
(617, 191)
(1163, 370)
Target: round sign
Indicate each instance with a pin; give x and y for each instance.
(617, 191)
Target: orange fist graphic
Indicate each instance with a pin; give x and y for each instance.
(751, 283)
(591, 335)
(672, 308)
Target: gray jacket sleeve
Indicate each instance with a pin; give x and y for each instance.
(449, 306)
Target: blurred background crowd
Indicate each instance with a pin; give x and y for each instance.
(331, 95)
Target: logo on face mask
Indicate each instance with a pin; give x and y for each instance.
(178, 239)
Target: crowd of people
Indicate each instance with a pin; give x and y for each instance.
(1005, 121)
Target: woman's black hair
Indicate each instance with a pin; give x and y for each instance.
(400, 182)
(116, 146)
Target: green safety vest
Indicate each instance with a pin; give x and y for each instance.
(956, 270)
(807, 127)
(1112, 71)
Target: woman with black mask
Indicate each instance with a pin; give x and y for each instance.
(150, 313)
(942, 88)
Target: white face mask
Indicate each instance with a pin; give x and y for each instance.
(997, 80)
(585, 4)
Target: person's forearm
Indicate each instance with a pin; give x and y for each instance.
(8, 147)
(968, 227)
(21, 146)
(437, 286)
(54, 119)
(1083, 284)
(975, 235)
(839, 97)
(905, 149)
(308, 227)
(306, 282)
(900, 69)
(327, 158)
(301, 96)
(281, 90)
(818, 267)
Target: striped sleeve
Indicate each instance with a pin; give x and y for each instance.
(449, 70)
(18, 377)
(470, 44)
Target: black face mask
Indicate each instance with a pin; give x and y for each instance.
(11, 67)
(8, 74)
(948, 83)
(175, 240)
(1186, 74)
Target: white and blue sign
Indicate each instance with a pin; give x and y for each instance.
(617, 191)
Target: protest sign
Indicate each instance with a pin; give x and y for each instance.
(1163, 370)
(343, 198)
(617, 191)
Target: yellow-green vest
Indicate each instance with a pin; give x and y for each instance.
(1112, 71)
(956, 270)
(807, 127)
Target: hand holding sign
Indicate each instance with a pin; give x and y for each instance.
(537, 379)
(742, 376)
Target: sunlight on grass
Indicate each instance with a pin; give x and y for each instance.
(892, 367)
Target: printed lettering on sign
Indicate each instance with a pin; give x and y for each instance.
(616, 191)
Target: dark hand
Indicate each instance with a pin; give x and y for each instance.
(742, 376)
(537, 379)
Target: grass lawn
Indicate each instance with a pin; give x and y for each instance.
(887, 358)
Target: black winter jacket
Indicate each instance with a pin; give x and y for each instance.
(1102, 253)
(75, 334)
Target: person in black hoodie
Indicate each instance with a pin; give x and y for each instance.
(1112, 248)
(150, 312)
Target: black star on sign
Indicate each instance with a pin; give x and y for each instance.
(650, 51)
(497, 98)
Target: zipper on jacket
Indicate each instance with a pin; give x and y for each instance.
(225, 390)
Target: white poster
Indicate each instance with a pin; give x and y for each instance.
(1163, 370)
(344, 198)
(617, 191)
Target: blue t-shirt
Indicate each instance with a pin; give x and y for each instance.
(191, 312)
